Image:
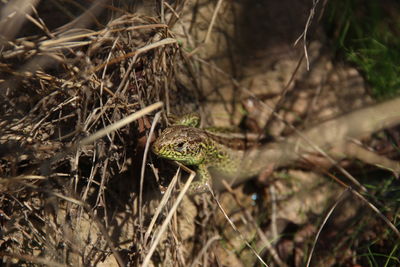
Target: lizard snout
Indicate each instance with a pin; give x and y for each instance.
(155, 147)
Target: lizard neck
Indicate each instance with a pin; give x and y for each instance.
(229, 143)
(224, 154)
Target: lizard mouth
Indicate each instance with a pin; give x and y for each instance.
(155, 147)
(155, 151)
(158, 149)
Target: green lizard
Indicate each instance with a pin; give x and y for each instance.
(186, 143)
(190, 145)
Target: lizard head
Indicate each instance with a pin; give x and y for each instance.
(185, 144)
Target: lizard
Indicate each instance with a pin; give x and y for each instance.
(190, 145)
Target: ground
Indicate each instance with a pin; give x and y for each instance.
(72, 69)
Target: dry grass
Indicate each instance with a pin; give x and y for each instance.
(61, 181)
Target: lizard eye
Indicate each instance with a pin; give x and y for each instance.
(180, 146)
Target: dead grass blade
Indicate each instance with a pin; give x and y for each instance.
(167, 220)
(339, 199)
(237, 230)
